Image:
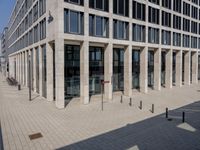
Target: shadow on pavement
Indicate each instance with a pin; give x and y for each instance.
(155, 133)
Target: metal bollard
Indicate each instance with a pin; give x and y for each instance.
(152, 110)
(19, 87)
(183, 117)
(130, 103)
(121, 101)
(141, 105)
(166, 114)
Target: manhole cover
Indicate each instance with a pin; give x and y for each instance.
(35, 136)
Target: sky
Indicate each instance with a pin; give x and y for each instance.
(6, 7)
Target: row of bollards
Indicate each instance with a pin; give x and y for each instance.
(140, 106)
(167, 112)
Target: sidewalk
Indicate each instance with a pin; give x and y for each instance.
(84, 124)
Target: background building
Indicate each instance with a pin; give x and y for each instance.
(74, 44)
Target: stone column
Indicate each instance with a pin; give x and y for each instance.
(59, 73)
(128, 71)
(195, 67)
(144, 70)
(108, 70)
(34, 70)
(187, 68)
(157, 69)
(26, 63)
(40, 71)
(84, 73)
(168, 70)
(179, 68)
(49, 54)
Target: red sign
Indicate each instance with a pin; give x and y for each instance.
(104, 82)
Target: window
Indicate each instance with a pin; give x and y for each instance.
(155, 1)
(98, 26)
(166, 3)
(166, 37)
(42, 7)
(186, 9)
(30, 18)
(193, 27)
(35, 12)
(166, 19)
(193, 42)
(43, 29)
(186, 41)
(73, 22)
(78, 2)
(99, 4)
(139, 11)
(176, 39)
(138, 33)
(176, 22)
(30, 37)
(153, 35)
(194, 12)
(121, 7)
(36, 34)
(120, 29)
(177, 5)
(154, 15)
(186, 25)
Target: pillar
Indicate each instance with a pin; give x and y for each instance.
(59, 73)
(157, 69)
(168, 74)
(195, 67)
(84, 73)
(128, 71)
(187, 68)
(144, 70)
(179, 68)
(108, 71)
(34, 70)
(50, 88)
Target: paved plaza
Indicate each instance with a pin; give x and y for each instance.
(86, 127)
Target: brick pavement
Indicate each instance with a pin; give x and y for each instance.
(84, 124)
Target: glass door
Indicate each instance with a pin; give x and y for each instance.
(150, 68)
(163, 63)
(136, 69)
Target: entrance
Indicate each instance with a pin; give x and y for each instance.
(72, 71)
(163, 66)
(96, 69)
(118, 69)
(44, 72)
(174, 68)
(136, 69)
(150, 69)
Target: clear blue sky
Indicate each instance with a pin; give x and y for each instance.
(6, 7)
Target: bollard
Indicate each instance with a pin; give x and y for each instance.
(121, 101)
(141, 105)
(152, 110)
(130, 103)
(183, 117)
(19, 87)
(166, 114)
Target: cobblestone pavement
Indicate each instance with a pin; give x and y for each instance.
(119, 126)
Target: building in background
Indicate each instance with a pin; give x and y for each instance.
(4, 55)
(72, 45)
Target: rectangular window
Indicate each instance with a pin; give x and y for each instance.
(43, 29)
(121, 7)
(166, 19)
(194, 27)
(35, 12)
(193, 42)
(99, 4)
(186, 9)
(98, 26)
(42, 7)
(177, 5)
(186, 25)
(120, 29)
(138, 33)
(78, 2)
(166, 37)
(186, 41)
(73, 22)
(154, 15)
(166, 3)
(36, 34)
(155, 1)
(176, 39)
(176, 22)
(139, 11)
(153, 35)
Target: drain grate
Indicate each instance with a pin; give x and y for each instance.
(35, 136)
